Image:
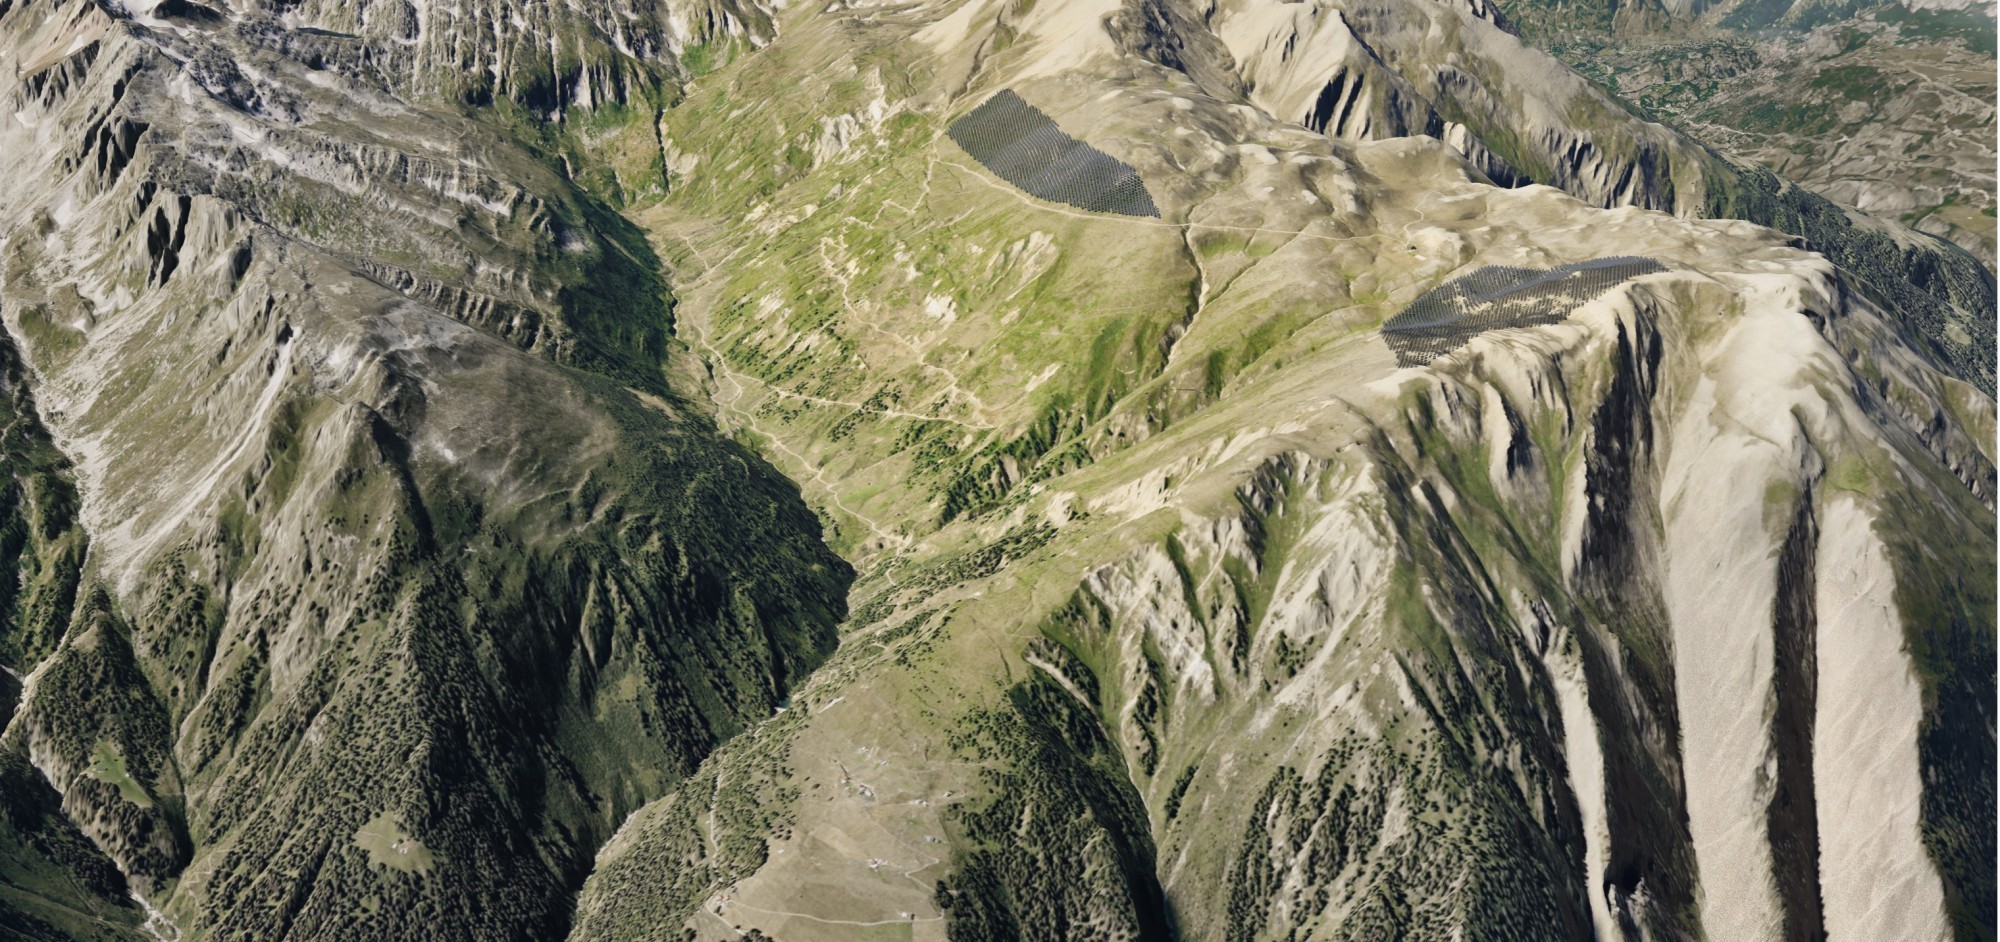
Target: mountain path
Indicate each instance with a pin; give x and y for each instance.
(889, 538)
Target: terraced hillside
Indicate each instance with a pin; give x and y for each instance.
(521, 471)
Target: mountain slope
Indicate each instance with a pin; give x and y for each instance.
(402, 401)
(1186, 614)
(408, 573)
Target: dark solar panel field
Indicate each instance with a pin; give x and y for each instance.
(1498, 296)
(1024, 147)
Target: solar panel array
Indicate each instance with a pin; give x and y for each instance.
(1024, 147)
(1497, 296)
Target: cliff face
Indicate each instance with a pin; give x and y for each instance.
(373, 571)
(401, 400)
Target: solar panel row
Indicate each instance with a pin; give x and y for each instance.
(1024, 147)
(1497, 296)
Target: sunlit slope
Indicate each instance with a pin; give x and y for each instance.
(1186, 613)
(445, 444)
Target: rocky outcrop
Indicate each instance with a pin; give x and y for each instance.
(545, 58)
